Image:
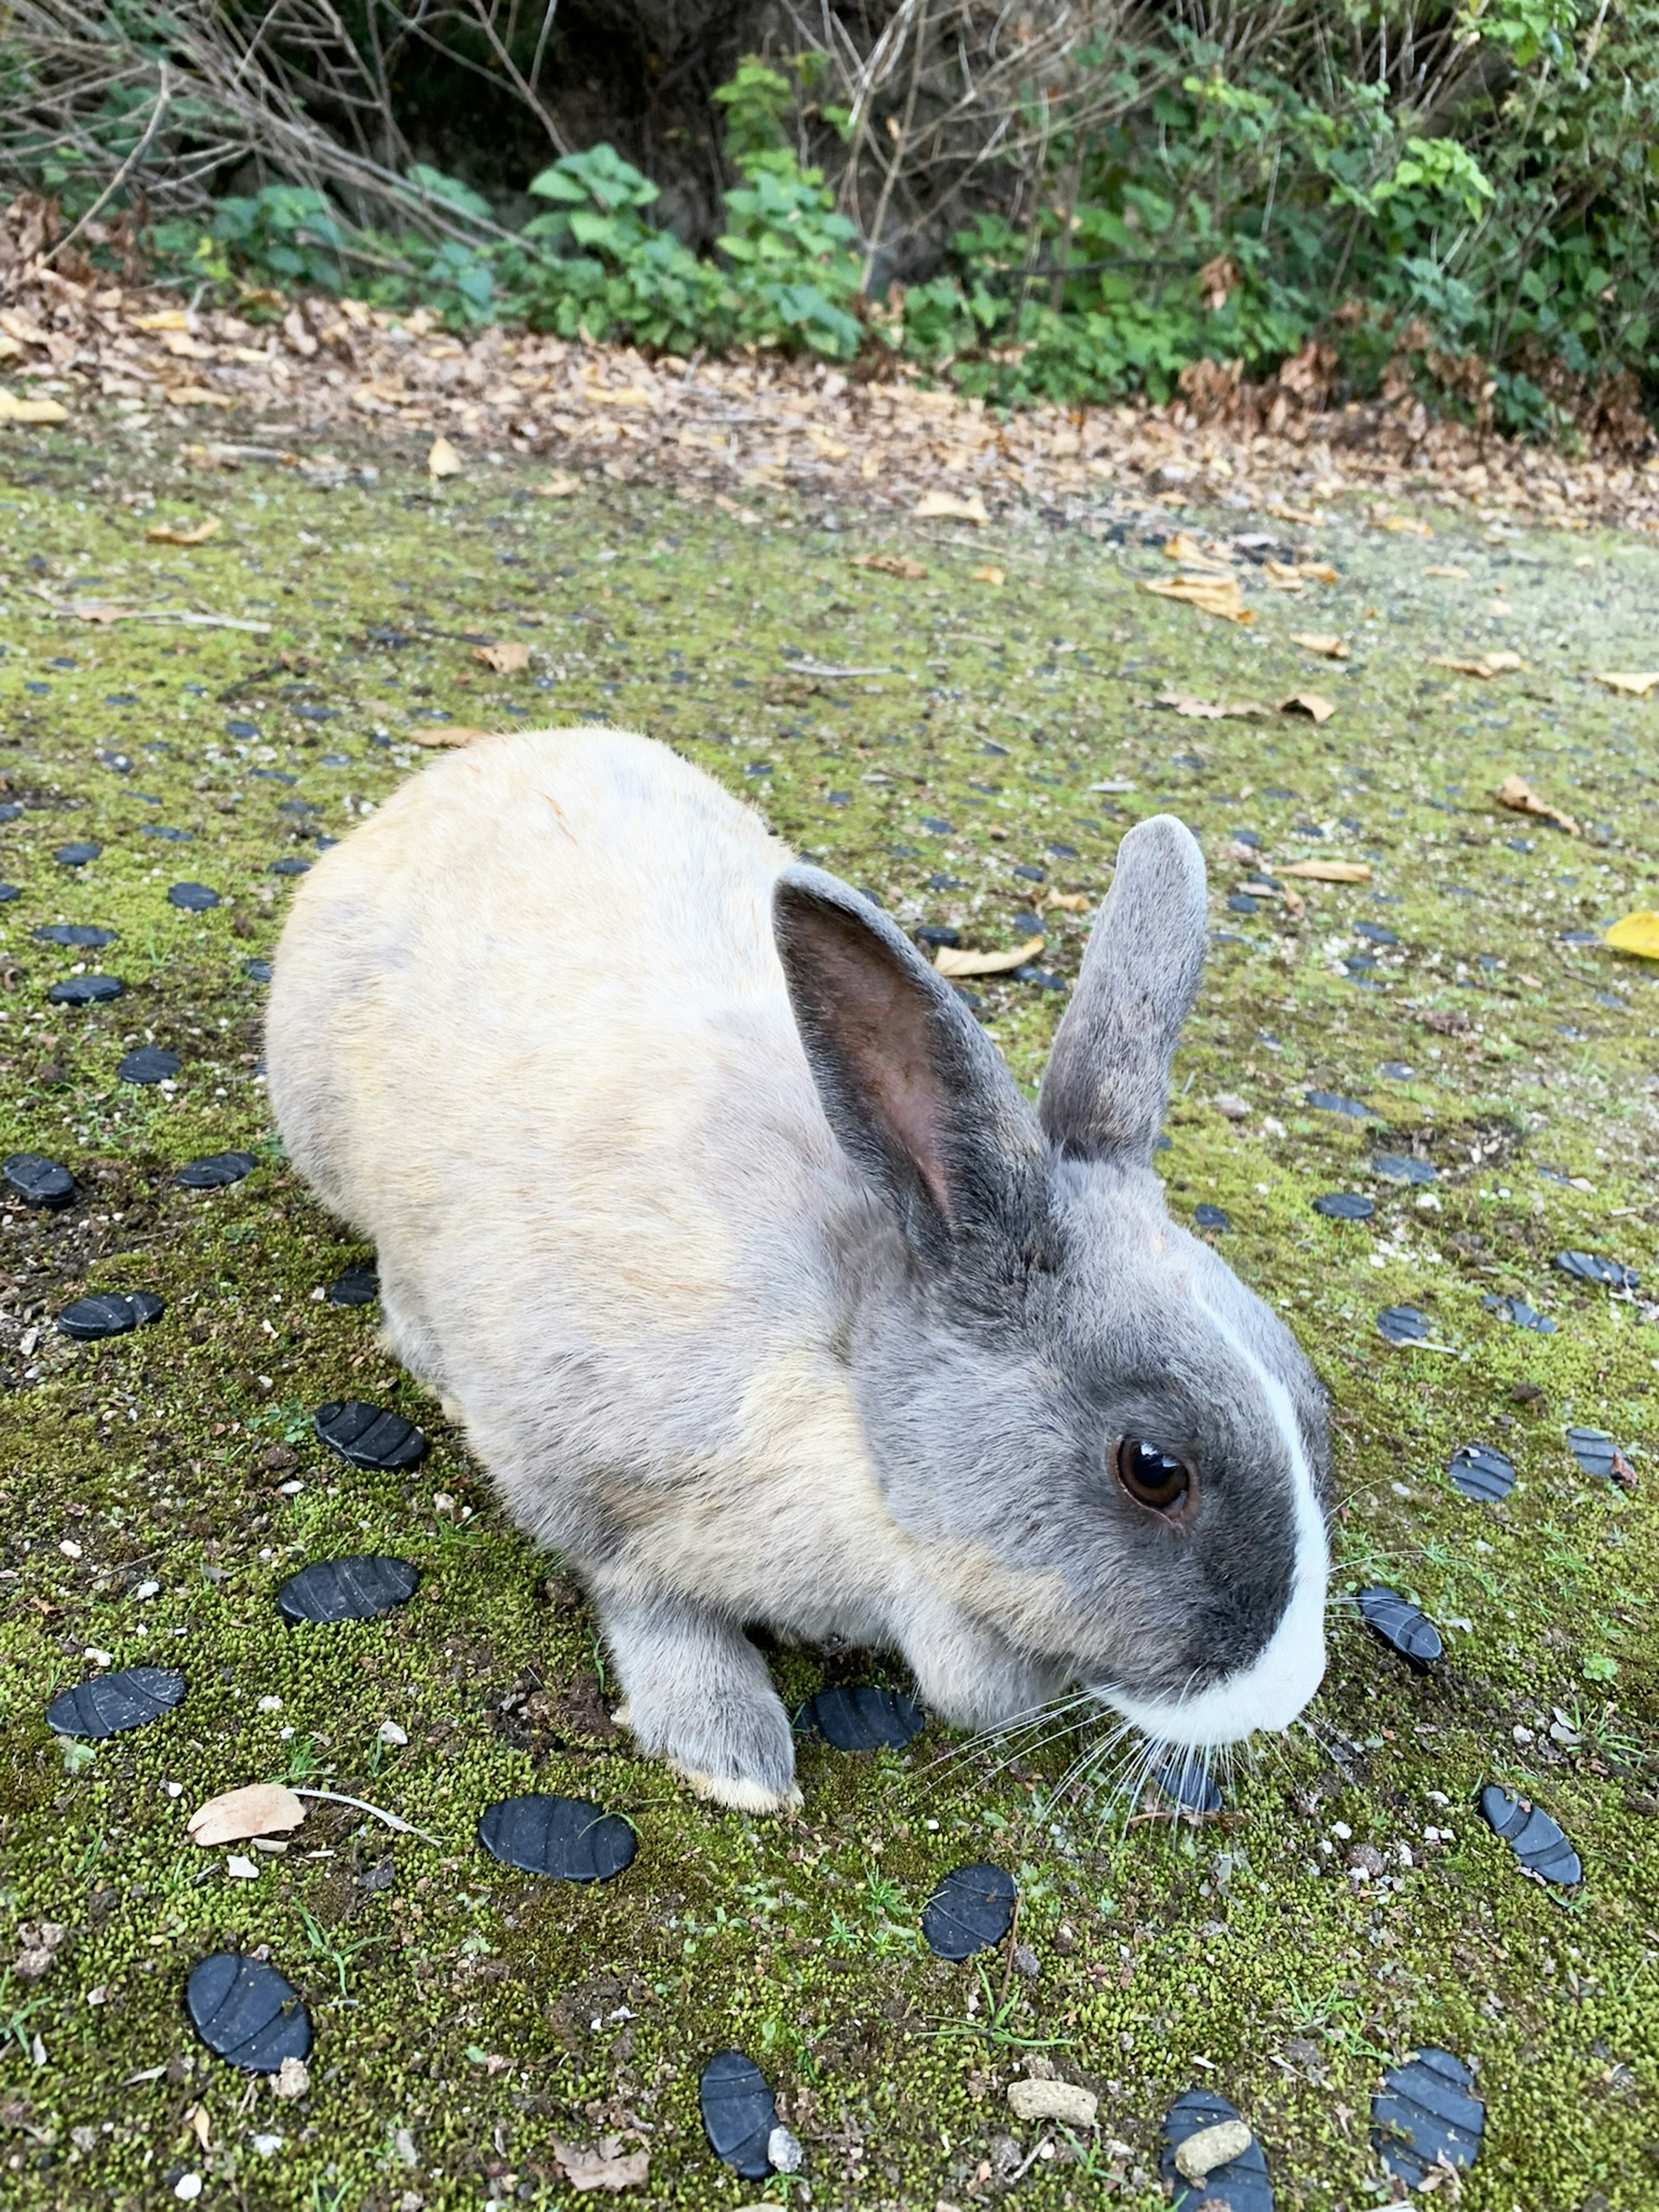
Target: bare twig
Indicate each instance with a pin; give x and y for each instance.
(163, 94)
(403, 1827)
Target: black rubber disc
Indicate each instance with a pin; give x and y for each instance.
(972, 1909)
(38, 1181)
(565, 1837)
(1520, 1315)
(1594, 1451)
(77, 855)
(84, 936)
(194, 898)
(739, 2114)
(359, 1588)
(1397, 1167)
(1182, 1777)
(1425, 2118)
(1478, 1471)
(358, 1286)
(215, 1170)
(860, 1717)
(1211, 1217)
(1536, 1840)
(1345, 1206)
(1332, 1102)
(256, 971)
(150, 1063)
(110, 1312)
(1590, 1267)
(290, 867)
(367, 1437)
(1241, 2184)
(247, 2013)
(86, 990)
(1402, 1626)
(110, 1704)
(1404, 1324)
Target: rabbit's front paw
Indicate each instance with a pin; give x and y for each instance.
(699, 1697)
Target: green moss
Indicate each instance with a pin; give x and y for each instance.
(489, 2016)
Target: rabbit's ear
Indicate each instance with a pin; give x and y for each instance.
(1108, 1078)
(916, 1093)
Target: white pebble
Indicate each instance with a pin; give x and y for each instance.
(391, 1733)
(187, 2188)
(1341, 1831)
(270, 1704)
(242, 1870)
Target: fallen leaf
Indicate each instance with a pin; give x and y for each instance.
(945, 506)
(1314, 704)
(1067, 901)
(199, 395)
(1488, 665)
(1518, 795)
(263, 1809)
(1280, 512)
(443, 460)
(167, 534)
(892, 564)
(510, 657)
(951, 961)
(1452, 575)
(13, 410)
(607, 2167)
(1282, 578)
(1407, 526)
(1183, 546)
(1318, 571)
(1636, 687)
(1637, 933)
(1332, 648)
(560, 485)
(1294, 900)
(619, 395)
(1328, 872)
(446, 733)
(988, 574)
(1202, 710)
(732, 507)
(171, 318)
(1211, 595)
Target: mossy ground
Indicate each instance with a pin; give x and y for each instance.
(467, 2017)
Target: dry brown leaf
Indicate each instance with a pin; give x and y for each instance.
(1332, 648)
(1488, 665)
(892, 564)
(1328, 872)
(446, 733)
(1280, 512)
(509, 658)
(1183, 546)
(172, 319)
(560, 485)
(442, 460)
(1452, 573)
(13, 410)
(1202, 710)
(263, 1809)
(1402, 525)
(167, 534)
(1314, 704)
(951, 960)
(988, 574)
(1634, 687)
(1294, 900)
(946, 506)
(1067, 901)
(1211, 595)
(609, 2166)
(199, 395)
(1318, 571)
(619, 395)
(1283, 579)
(1518, 795)
(738, 512)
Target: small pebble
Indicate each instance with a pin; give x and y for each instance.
(247, 2014)
(563, 1837)
(38, 1181)
(739, 2113)
(971, 1909)
(1402, 1626)
(1425, 2117)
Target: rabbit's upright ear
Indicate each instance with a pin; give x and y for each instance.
(916, 1093)
(1108, 1078)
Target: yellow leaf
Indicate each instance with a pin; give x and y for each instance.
(1332, 648)
(1407, 526)
(1067, 901)
(1452, 575)
(950, 960)
(1280, 512)
(167, 533)
(1202, 710)
(1211, 595)
(183, 347)
(172, 319)
(1636, 687)
(1518, 795)
(199, 395)
(1317, 572)
(443, 460)
(738, 513)
(988, 574)
(826, 446)
(1488, 665)
(619, 395)
(892, 564)
(510, 657)
(1284, 579)
(1637, 933)
(1314, 704)
(30, 410)
(560, 485)
(945, 506)
(1328, 872)
(264, 1809)
(446, 733)
(1183, 546)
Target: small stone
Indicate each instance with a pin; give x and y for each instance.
(1067, 2102)
(1231, 1106)
(971, 1909)
(1365, 1859)
(366, 1436)
(565, 1838)
(187, 2188)
(784, 2152)
(1404, 1324)
(739, 2113)
(38, 1181)
(1480, 1471)
(215, 1170)
(86, 991)
(1345, 1206)
(249, 2015)
(861, 1717)
(193, 898)
(149, 1063)
(1219, 2144)
(242, 1870)
(1398, 1167)
(357, 1589)
(390, 1734)
(1400, 1625)
(1424, 2119)
(1536, 1840)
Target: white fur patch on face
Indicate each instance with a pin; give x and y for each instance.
(1273, 1688)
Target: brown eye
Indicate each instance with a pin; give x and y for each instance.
(1152, 1478)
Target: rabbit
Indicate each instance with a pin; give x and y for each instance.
(763, 1293)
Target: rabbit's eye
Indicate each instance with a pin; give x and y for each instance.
(1152, 1478)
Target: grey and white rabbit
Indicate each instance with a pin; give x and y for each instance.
(763, 1294)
